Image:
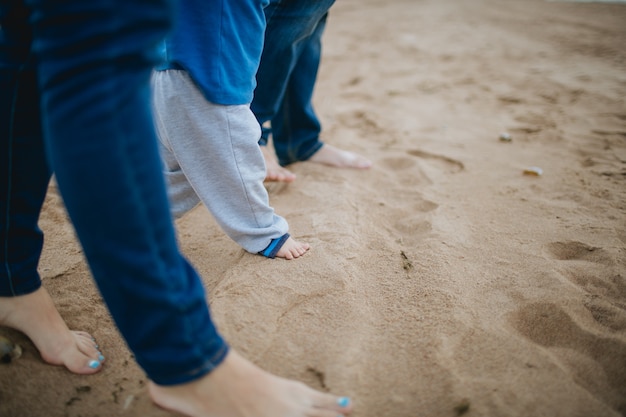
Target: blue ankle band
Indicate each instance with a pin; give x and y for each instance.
(274, 246)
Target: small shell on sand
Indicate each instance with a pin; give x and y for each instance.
(534, 171)
(505, 137)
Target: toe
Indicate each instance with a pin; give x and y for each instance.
(80, 363)
(332, 403)
(87, 346)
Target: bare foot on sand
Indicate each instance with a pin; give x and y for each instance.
(292, 249)
(36, 316)
(329, 155)
(275, 172)
(238, 388)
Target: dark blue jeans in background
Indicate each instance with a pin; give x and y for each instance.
(74, 95)
(286, 77)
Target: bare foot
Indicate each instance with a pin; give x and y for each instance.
(292, 249)
(275, 172)
(238, 388)
(329, 155)
(36, 316)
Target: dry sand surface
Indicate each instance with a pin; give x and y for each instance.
(443, 281)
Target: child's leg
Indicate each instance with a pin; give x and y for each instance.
(216, 148)
(181, 194)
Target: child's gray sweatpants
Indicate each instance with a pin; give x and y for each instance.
(211, 154)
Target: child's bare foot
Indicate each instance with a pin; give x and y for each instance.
(275, 172)
(238, 388)
(329, 155)
(36, 316)
(292, 249)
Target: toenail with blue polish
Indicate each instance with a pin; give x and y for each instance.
(94, 364)
(101, 358)
(343, 402)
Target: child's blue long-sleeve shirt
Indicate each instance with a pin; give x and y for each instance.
(219, 43)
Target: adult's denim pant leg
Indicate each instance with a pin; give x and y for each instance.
(24, 172)
(286, 77)
(93, 62)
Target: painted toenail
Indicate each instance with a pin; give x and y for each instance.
(343, 402)
(94, 364)
(101, 358)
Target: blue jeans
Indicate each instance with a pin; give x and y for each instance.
(286, 77)
(86, 66)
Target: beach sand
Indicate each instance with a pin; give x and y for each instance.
(443, 281)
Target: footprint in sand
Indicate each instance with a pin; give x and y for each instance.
(592, 269)
(430, 169)
(507, 99)
(405, 172)
(572, 250)
(418, 167)
(398, 163)
(446, 164)
(407, 210)
(603, 133)
(359, 119)
(413, 221)
(531, 123)
(598, 274)
(550, 326)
